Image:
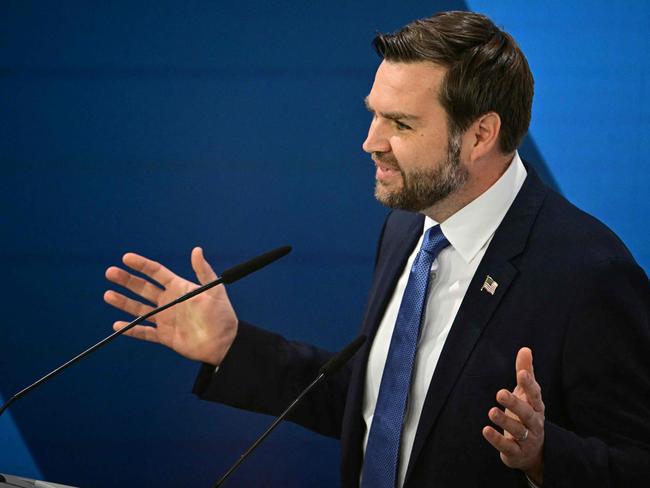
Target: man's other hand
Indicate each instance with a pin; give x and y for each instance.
(202, 328)
(521, 444)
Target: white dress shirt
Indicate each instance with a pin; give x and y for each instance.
(469, 232)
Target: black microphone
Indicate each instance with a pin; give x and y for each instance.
(238, 271)
(328, 369)
(229, 276)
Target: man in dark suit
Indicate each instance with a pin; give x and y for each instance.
(479, 267)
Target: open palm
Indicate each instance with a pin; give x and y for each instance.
(202, 328)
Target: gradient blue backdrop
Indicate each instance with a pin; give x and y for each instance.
(157, 126)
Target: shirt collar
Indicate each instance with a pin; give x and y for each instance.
(469, 229)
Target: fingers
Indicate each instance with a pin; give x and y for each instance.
(508, 423)
(127, 305)
(528, 416)
(147, 267)
(521, 444)
(143, 332)
(137, 285)
(201, 267)
(527, 383)
(526, 378)
(522, 440)
(508, 447)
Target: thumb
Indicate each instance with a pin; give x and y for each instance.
(201, 267)
(524, 361)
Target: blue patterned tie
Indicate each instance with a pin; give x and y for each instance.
(382, 452)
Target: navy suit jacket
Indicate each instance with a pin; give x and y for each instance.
(567, 288)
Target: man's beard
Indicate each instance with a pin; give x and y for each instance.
(423, 188)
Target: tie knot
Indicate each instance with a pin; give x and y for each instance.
(434, 241)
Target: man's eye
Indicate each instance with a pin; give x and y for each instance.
(401, 126)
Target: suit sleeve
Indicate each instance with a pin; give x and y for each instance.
(606, 383)
(264, 373)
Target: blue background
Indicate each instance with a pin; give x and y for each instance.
(157, 126)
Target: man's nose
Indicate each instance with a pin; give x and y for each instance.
(377, 140)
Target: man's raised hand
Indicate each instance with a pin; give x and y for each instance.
(522, 420)
(202, 328)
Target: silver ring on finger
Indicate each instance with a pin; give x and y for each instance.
(523, 437)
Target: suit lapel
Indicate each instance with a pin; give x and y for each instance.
(398, 245)
(479, 304)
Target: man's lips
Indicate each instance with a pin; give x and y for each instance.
(385, 170)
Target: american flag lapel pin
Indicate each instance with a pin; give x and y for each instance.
(489, 285)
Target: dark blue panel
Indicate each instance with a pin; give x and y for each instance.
(155, 127)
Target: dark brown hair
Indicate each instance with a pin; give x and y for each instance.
(486, 70)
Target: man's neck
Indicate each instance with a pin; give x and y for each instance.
(483, 174)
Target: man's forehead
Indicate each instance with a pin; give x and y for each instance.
(405, 83)
(423, 75)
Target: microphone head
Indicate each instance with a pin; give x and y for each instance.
(341, 358)
(239, 271)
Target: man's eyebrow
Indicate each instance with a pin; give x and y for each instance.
(391, 115)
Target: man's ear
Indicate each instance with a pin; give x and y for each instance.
(484, 135)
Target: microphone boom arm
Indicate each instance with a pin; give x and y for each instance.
(229, 276)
